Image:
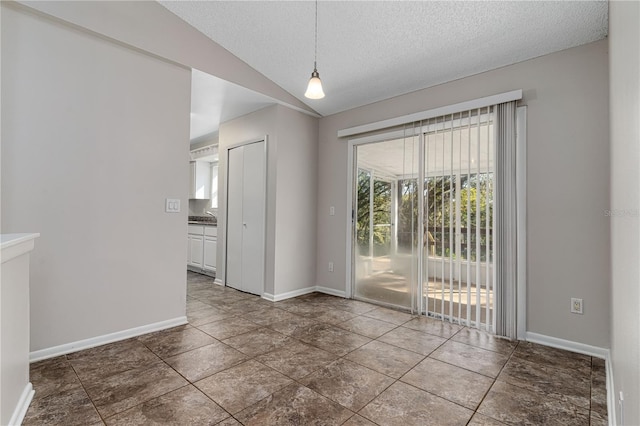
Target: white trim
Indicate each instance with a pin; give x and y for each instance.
(514, 95)
(270, 297)
(349, 212)
(218, 281)
(521, 220)
(23, 405)
(14, 245)
(288, 294)
(568, 345)
(205, 151)
(331, 291)
(295, 293)
(611, 395)
(104, 339)
(387, 136)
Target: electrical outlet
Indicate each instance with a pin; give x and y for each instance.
(330, 266)
(172, 205)
(576, 306)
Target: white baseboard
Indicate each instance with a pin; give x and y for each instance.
(218, 281)
(331, 291)
(104, 339)
(288, 295)
(300, 292)
(568, 345)
(22, 406)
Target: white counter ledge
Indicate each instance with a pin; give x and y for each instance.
(16, 391)
(13, 245)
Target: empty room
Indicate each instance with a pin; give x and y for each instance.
(320, 212)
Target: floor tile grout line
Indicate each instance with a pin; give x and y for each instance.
(395, 380)
(344, 357)
(145, 401)
(190, 383)
(102, 418)
(514, 356)
(427, 356)
(493, 384)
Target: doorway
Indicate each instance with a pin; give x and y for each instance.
(246, 207)
(422, 234)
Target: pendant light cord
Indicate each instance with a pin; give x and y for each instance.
(315, 52)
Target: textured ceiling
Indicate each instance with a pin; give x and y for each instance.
(369, 51)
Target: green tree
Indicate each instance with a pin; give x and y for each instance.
(381, 210)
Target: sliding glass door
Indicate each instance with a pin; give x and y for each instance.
(385, 197)
(423, 218)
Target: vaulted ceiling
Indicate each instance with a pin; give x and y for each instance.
(374, 50)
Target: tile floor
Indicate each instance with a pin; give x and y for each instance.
(315, 360)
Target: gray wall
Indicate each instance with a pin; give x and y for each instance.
(624, 46)
(297, 177)
(568, 183)
(148, 26)
(95, 136)
(291, 193)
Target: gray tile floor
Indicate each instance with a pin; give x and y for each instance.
(315, 360)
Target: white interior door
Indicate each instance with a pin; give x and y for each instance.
(246, 218)
(253, 216)
(234, 217)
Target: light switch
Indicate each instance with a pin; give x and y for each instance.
(172, 205)
(332, 211)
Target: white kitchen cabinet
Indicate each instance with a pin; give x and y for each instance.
(196, 250)
(200, 180)
(210, 249)
(202, 248)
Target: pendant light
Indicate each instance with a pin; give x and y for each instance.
(314, 89)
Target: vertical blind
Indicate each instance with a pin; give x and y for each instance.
(458, 266)
(506, 237)
(460, 199)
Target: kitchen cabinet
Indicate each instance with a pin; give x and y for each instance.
(199, 180)
(202, 242)
(210, 248)
(195, 241)
(196, 251)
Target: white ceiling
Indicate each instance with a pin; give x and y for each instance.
(214, 101)
(374, 50)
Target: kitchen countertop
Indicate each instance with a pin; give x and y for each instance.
(203, 220)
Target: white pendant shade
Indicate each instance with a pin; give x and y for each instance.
(314, 89)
